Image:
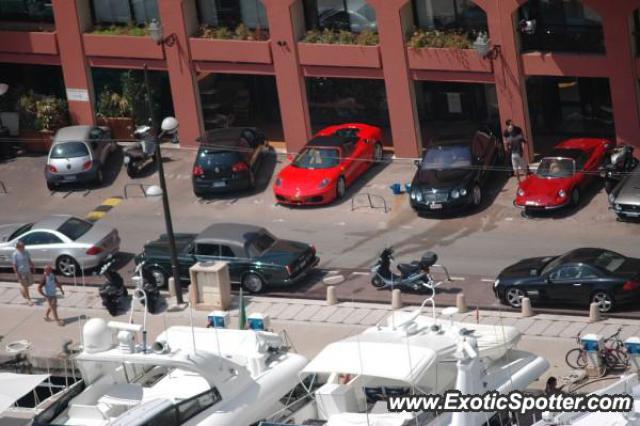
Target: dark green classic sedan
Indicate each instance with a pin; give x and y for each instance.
(256, 258)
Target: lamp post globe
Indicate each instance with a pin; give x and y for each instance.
(155, 31)
(169, 125)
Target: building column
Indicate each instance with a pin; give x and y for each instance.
(286, 26)
(400, 88)
(507, 68)
(71, 21)
(623, 75)
(180, 18)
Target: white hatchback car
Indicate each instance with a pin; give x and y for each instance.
(78, 155)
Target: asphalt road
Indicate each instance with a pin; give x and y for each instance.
(348, 235)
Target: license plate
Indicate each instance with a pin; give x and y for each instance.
(70, 178)
(435, 206)
(219, 184)
(531, 203)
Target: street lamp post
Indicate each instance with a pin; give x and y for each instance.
(169, 127)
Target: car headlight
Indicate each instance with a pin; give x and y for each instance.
(419, 196)
(278, 182)
(455, 194)
(562, 193)
(612, 197)
(126, 160)
(412, 194)
(496, 283)
(463, 191)
(520, 192)
(617, 207)
(324, 183)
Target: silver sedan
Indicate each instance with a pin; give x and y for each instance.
(68, 243)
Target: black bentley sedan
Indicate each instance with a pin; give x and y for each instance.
(228, 160)
(581, 276)
(452, 173)
(256, 258)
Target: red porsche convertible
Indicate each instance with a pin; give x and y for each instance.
(329, 163)
(563, 174)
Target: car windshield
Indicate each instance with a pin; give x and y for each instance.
(317, 158)
(74, 228)
(208, 159)
(609, 260)
(20, 231)
(69, 150)
(442, 157)
(260, 244)
(556, 167)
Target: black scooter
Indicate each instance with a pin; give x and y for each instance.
(147, 292)
(619, 162)
(112, 292)
(141, 156)
(414, 276)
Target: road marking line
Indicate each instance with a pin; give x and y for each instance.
(360, 273)
(457, 278)
(487, 280)
(100, 211)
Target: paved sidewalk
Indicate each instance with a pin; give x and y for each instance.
(311, 323)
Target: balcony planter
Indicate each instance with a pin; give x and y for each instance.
(121, 46)
(37, 141)
(219, 50)
(339, 55)
(121, 127)
(442, 59)
(33, 42)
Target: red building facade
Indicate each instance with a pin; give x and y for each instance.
(73, 47)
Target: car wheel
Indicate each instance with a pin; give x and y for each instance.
(51, 186)
(159, 276)
(377, 282)
(253, 283)
(341, 188)
(603, 300)
(377, 153)
(67, 266)
(514, 296)
(575, 197)
(476, 195)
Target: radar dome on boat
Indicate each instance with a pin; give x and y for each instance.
(97, 336)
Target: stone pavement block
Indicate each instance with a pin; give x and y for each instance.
(9, 295)
(357, 316)
(630, 331)
(555, 329)
(340, 315)
(490, 320)
(593, 328)
(257, 307)
(523, 324)
(374, 317)
(538, 326)
(290, 312)
(275, 309)
(72, 299)
(323, 313)
(307, 312)
(609, 330)
(572, 329)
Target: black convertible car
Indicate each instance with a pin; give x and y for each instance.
(452, 173)
(256, 258)
(581, 276)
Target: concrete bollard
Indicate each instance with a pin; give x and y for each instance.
(172, 287)
(331, 295)
(527, 311)
(594, 313)
(461, 303)
(396, 299)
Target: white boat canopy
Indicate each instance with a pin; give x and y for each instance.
(391, 360)
(15, 386)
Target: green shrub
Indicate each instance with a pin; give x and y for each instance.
(116, 30)
(241, 32)
(454, 39)
(51, 113)
(328, 36)
(112, 104)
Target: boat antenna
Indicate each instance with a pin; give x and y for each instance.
(366, 411)
(193, 333)
(215, 330)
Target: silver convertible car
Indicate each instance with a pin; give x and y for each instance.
(65, 242)
(625, 197)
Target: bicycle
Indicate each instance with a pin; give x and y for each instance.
(613, 354)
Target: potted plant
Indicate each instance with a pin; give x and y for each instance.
(114, 111)
(41, 116)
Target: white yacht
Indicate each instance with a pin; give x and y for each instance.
(627, 385)
(349, 382)
(190, 376)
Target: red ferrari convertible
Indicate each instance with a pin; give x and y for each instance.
(562, 175)
(330, 162)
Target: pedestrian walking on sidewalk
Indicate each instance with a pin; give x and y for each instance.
(48, 288)
(24, 269)
(514, 145)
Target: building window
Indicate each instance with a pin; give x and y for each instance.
(231, 13)
(26, 10)
(560, 25)
(347, 15)
(456, 15)
(125, 12)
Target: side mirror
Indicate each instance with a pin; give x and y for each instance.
(418, 163)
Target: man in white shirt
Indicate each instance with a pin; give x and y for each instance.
(23, 268)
